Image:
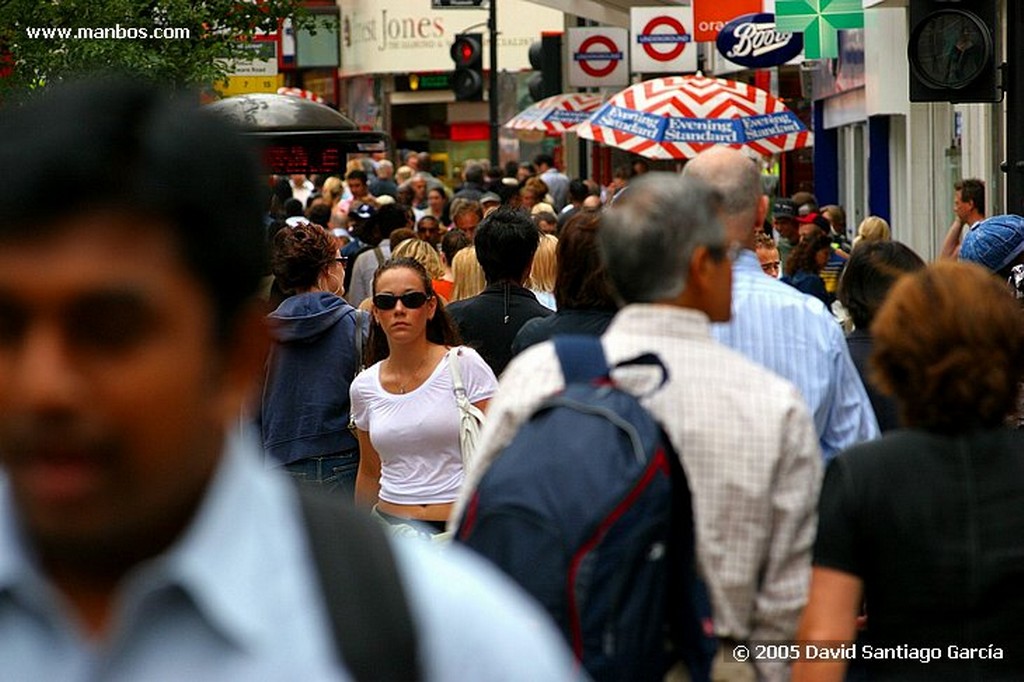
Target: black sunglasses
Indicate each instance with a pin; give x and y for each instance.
(410, 299)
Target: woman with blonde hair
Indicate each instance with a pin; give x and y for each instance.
(872, 229)
(423, 253)
(544, 271)
(533, 192)
(404, 406)
(469, 276)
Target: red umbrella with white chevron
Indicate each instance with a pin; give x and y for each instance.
(678, 117)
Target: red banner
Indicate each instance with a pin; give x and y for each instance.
(711, 15)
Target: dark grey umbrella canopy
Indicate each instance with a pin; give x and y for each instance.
(298, 135)
(263, 112)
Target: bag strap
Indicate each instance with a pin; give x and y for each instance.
(373, 630)
(582, 358)
(455, 369)
(360, 317)
(461, 397)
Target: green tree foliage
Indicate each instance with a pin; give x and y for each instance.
(41, 41)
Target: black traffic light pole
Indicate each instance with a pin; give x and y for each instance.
(1013, 75)
(492, 96)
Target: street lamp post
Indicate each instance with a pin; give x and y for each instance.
(492, 97)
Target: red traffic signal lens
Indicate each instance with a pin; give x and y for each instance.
(466, 51)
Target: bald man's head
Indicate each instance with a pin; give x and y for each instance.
(737, 179)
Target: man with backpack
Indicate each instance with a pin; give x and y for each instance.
(142, 537)
(743, 435)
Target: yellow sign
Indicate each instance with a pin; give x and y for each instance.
(242, 85)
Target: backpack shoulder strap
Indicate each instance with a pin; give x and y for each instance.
(379, 253)
(370, 619)
(581, 357)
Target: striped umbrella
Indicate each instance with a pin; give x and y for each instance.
(299, 92)
(557, 114)
(679, 116)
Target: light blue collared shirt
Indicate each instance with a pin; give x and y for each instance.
(795, 336)
(236, 598)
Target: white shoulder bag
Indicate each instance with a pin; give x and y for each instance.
(470, 416)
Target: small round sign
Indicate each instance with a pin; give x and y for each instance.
(586, 56)
(677, 38)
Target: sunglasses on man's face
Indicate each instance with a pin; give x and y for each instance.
(410, 299)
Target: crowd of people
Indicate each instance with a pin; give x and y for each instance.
(752, 285)
(847, 415)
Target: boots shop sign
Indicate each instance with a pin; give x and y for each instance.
(752, 41)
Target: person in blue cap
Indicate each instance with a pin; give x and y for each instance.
(997, 243)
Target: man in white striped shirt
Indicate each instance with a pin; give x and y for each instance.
(773, 324)
(744, 435)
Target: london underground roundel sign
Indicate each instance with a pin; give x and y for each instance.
(598, 57)
(661, 40)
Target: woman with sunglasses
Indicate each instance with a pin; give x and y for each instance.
(403, 405)
(304, 413)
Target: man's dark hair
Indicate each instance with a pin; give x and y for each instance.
(319, 213)
(117, 144)
(505, 243)
(452, 242)
(578, 190)
(390, 217)
(282, 190)
(544, 160)
(973, 190)
(292, 208)
(356, 174)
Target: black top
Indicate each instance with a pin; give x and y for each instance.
(490, 320)
(860, 343)
(588, 322)
(933, 526)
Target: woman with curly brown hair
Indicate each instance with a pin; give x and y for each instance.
(304, 411)
(804, 265)
(925, 524)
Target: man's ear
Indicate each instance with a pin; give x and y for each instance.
(762, 212)
(243, 359)
(697, 279)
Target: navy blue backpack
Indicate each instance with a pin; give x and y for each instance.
(589, 510)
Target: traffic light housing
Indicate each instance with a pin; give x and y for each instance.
(953, 51)
(468, 57)
(546, 59)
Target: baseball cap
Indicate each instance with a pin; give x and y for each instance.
(363, 211)
(816, 218)
(490, 198)
(994, 242)
(784, 208)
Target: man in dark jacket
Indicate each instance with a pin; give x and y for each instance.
(505, 242)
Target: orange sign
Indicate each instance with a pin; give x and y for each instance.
(711, 15)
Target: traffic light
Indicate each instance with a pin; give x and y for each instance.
(953, 51)
(546, 58)
(468, 56)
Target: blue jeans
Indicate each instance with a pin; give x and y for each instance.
(334, 472)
